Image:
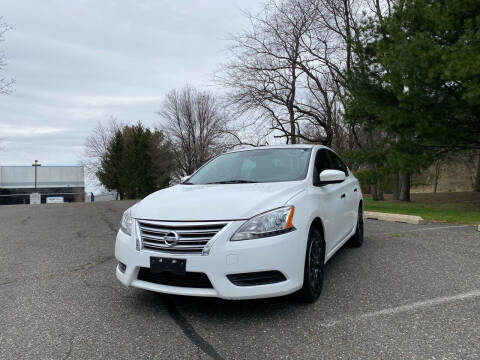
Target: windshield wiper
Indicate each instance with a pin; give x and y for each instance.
(233, 182)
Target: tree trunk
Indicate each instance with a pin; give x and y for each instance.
(404, 187)
(373, 192)
(396, 186)
(346, 8)
(438, 167)
(380, 192)
(293, 134)
(377, 192)
(476, 187)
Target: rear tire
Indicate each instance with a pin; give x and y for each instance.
(357, 239)
(314, 267)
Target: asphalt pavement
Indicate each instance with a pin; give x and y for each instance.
(412, 291)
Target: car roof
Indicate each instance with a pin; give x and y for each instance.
(284, 146)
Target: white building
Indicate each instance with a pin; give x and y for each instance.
(18, 182)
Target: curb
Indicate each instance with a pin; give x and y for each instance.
(409, 219)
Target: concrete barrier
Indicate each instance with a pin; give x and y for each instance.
(410, 219)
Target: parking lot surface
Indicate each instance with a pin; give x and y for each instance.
(412, 291)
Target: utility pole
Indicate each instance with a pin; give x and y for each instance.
(36, 165)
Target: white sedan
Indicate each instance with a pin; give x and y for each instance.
(253, 223)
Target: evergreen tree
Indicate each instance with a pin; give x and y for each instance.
(137, 162)
(429, 52)
(137, 176)
(416, 82)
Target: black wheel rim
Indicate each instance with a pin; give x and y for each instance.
(315, 270)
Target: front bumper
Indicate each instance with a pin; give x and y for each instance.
(284, 253)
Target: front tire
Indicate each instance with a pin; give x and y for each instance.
(314, 267)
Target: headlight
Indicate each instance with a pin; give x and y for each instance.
(127, 222)
(275, 222)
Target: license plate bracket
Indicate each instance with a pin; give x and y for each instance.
(174, 266)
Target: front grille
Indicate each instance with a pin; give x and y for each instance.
(192, 237)
(256, 278)
(190, 279)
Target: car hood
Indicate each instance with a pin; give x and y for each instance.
(215, 202)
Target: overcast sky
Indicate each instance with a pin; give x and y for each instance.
(78, 62)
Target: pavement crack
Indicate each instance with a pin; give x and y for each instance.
(24, 221)
(105, 219)
(190, 332)
(102, 286)
(106, 259)
(70, 270)
(8, 282)
(89, 265)
(70, 348)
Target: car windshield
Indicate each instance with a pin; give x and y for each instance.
(253, 166)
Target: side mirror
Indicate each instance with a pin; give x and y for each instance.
(331, 177)
(185, 178)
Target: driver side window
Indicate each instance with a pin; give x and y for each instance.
(327, 160)
(337, 163)
(322, 162)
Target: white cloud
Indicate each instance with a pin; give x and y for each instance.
(79, 62)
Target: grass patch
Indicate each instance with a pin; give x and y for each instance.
(451, 213)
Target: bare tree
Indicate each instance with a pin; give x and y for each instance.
(5, 83)
(262, 73)
(326, 58)
(196, 125)
(289, 67)
(96, 146)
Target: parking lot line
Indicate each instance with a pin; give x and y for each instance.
(407, 307)
(440, 227)
(428, 229)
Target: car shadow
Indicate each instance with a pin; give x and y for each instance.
(216, 307)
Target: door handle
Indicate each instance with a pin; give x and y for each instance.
(343, 196)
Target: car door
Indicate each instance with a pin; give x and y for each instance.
(329, 198)
(349, 194)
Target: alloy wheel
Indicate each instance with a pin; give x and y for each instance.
(315, 270)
